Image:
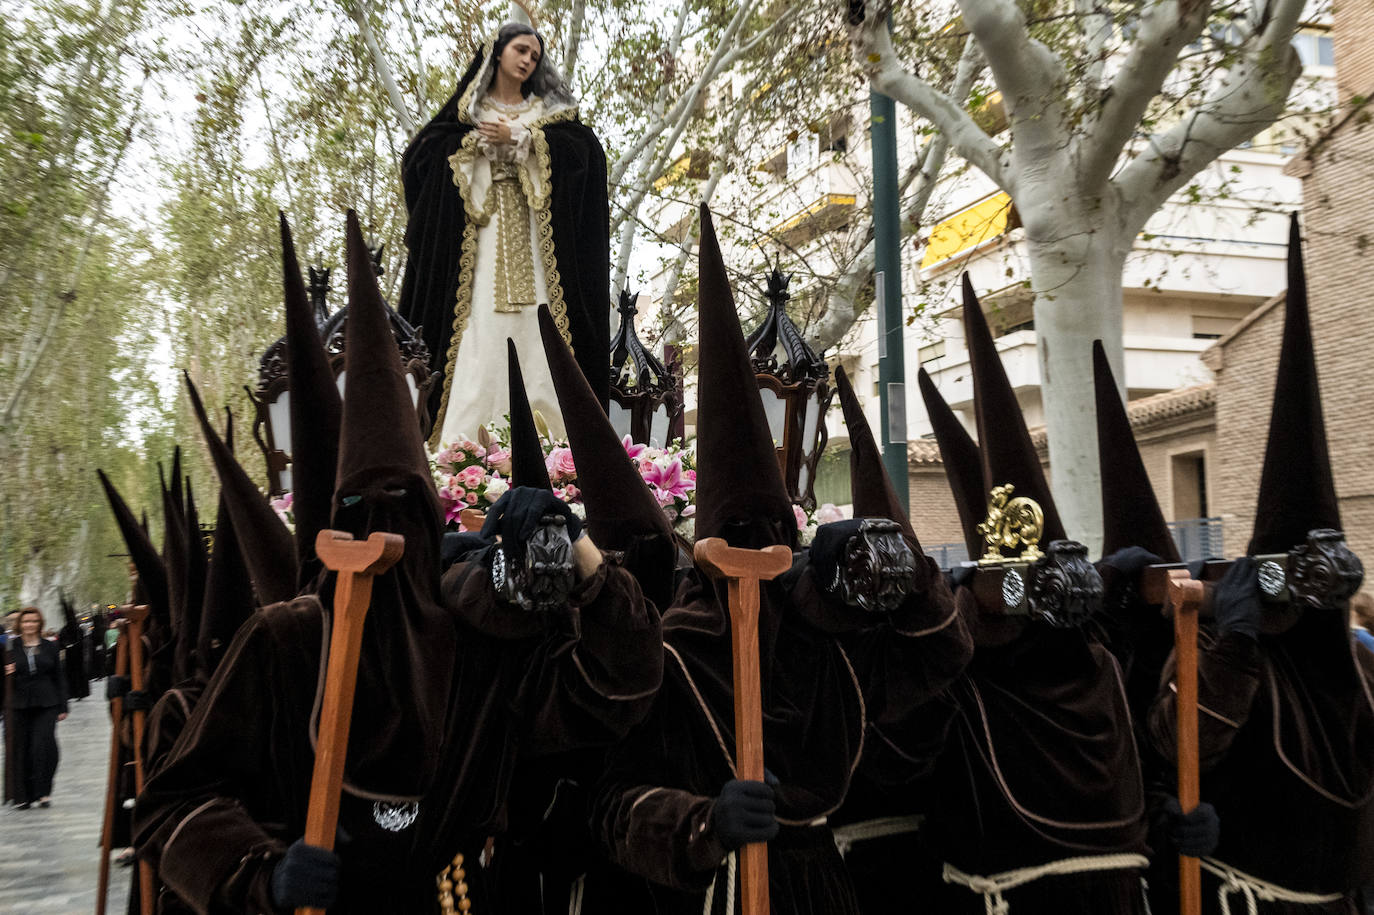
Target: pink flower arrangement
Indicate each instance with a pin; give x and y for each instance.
(469, 474)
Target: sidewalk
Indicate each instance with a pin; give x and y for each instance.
(49, 858)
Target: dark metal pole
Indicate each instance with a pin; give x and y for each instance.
(887, 230)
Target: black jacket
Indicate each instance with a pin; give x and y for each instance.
(44, 687)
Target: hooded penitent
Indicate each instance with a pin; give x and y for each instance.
(622, 514)
(1131, 515)
(384, 484)
(228, 588)
(1042, 763)
(1296, 492)
(152, 574)
(1291, 772)
(963, 464)
(526, 454)
(73, 641)
(316, 412)
(267, 547)
(1003, 439)
(740, 493)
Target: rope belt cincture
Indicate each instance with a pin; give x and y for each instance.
(1254, 890)
(846, 837)
(992, 887)
(731, 866)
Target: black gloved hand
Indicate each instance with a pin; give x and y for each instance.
(828, 547)
(516, 514)
(961, 575)
(1194, 833)
(136, 700)
(1129, 561)
(306, 876)
(744, 813)
(117, 687)
(1236, 601)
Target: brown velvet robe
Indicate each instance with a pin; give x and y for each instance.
(1286, 745)
(234, 792)
(828, 673)
(1034, 761)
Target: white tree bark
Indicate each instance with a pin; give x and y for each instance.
(360, 11)
(1080, 219)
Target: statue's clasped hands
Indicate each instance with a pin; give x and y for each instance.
(496, 132)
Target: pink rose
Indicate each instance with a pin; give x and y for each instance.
(801, 517)
(470, 497)
(571, 493)
(560, 464)
(828, 514)
(499, 460)
(473, 475)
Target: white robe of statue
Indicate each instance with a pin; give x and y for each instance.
(500, 183)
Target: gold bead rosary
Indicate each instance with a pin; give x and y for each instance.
(452, 882)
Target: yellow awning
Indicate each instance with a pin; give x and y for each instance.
(986, 219)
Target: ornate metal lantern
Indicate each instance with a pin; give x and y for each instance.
(272, 399)
(646, 398)
(796, 392)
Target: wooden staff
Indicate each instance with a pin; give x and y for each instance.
(743, 570)
(1184, 599)
(112, 780)
(356, 563)
(136, 616)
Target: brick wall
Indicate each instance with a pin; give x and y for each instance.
(1353, 33)
(933, 514)
(1245, 365)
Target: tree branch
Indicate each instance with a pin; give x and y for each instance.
(1166, 28)
(579, 13)
(872, 50)
(360, 11)
(1023, 68)
(655, 127)
(1248, 98)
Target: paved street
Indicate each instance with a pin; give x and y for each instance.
(48, 858)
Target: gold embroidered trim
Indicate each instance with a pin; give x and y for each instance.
(466, 261)
(543, 219)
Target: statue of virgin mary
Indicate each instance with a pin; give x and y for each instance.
(507, 201)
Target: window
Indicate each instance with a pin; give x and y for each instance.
(1315, 49)
(1211, 327)
(932, 351)
(1188, 476)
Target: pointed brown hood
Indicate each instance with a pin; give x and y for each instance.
(152, 574)
(173, 556)
(526, 454)
(620, 507)
(197, 566)
(963, 464)
(1130, 511)
(1297, 492)
(1003, 439)
(622, 514)
(873, 493)
(316, 413)
(739, 485)
(380, 430)
(229, 597)
(268, 548)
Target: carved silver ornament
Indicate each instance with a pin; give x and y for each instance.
(395, 817)
(1272, 580)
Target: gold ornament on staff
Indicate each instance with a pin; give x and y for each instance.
(1011, 523)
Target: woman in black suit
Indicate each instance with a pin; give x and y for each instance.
(38, 701)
